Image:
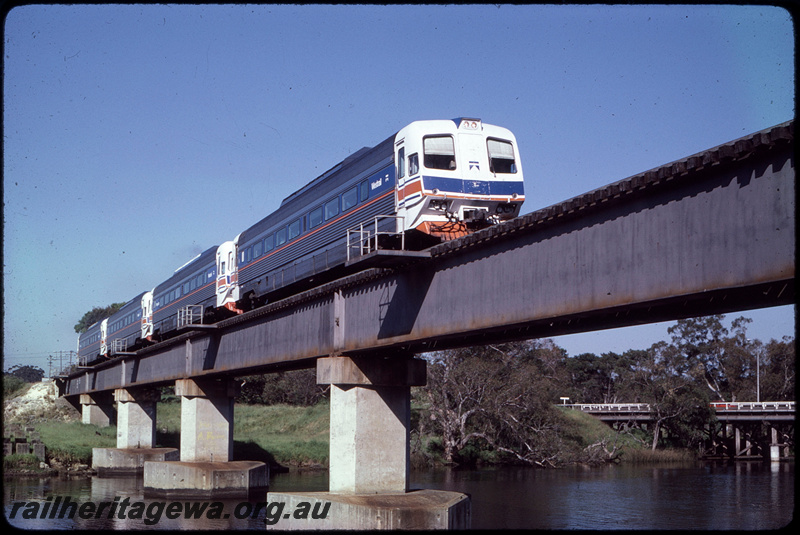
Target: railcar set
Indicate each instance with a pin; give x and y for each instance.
(431, 181)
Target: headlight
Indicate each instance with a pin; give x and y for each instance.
(505, 209)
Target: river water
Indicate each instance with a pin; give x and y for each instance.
(704, 496)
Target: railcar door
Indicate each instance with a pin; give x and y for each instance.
(474, 161)
(401, 181)
(227, 276)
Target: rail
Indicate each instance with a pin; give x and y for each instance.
(368, 240)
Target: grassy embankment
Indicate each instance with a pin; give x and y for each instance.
(280, 435)
(589, 430)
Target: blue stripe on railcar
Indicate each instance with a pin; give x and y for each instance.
(473, 187)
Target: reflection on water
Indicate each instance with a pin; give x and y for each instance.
(742, 496)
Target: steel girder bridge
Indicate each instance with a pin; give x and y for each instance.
(710, 233)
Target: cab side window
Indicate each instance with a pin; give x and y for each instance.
(413, 164)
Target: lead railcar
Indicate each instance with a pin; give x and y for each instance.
(430, 181)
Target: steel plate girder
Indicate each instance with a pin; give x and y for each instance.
(732, 230)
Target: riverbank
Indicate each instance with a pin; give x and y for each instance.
(283, 436)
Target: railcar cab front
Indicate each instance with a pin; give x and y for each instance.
(227, 284)
(454, 177)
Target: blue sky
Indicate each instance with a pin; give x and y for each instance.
(137, 136)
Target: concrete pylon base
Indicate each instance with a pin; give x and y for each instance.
(116, 462)
(202, 479)
(417, 510)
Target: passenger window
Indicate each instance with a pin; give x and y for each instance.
(363, 191)
(268, 243)
(501, 156)
(315, 217)
(294, 229)
(439, 152)
(280, 237)
(413, 164)
(331, 208)
(349, 199)
(401, 157)
(257, 249)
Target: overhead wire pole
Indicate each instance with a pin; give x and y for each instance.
(64, 355)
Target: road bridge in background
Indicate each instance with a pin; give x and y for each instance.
(724, 410)
(744, 429)
(710, 233)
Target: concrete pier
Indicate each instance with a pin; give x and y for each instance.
(206, 419)
(98, 409)
(136, 417)
(370, 420)
(206, 468)
(369, 460)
